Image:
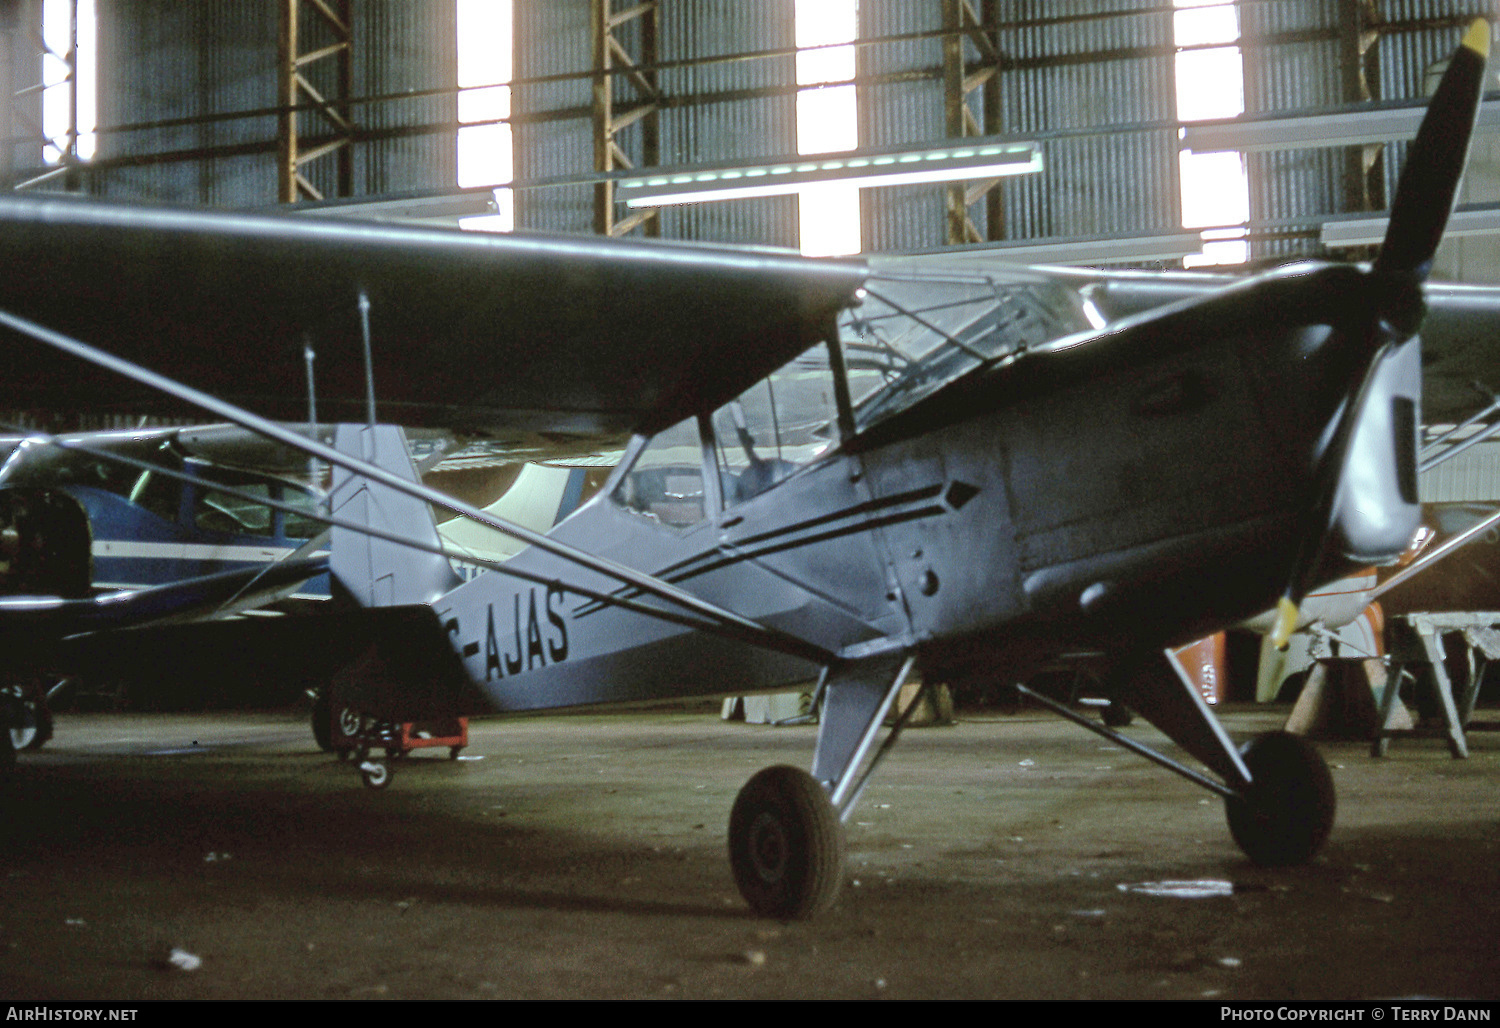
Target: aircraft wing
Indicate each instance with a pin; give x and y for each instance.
(476, 332)
(32, 626)
(1460, 347)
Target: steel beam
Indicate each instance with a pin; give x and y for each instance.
(613, 62)
(963, 23)
(330, 23)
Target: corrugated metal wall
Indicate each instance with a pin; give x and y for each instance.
(1292, 62)
(903, 103)
(1473, 475)
(1295, 57)
(554, 120)
(20, 68)
(729, 127)
(1071, 69)
(1091, 78)
(553, 130)
(162, 60)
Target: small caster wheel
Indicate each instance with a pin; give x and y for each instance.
(375, 774)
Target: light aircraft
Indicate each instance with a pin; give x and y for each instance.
(835, 469)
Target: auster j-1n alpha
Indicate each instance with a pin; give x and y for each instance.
(837, 470)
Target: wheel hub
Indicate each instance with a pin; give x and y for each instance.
(768, 847)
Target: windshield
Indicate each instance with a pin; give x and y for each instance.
(916, 331)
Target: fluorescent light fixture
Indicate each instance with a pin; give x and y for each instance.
(1343, 128)
(975, 158)
(1076, 251)
(434, 208)
(1483, 221)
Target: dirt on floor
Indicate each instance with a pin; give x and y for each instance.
(1005, 857)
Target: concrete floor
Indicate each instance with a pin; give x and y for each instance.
(583, 857)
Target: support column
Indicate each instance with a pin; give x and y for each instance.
(330, 36)
(961, 80)
(613, 63)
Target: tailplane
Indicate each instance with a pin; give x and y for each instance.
(378, 572)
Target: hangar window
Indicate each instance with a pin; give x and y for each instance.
(827, 121)
(69, 80)
(485, 60)
(1210, 75)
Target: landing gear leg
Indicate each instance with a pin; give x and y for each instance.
(786, 845)
(1278, 789)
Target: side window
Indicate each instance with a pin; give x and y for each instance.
(666, 482)
(158, 494)
(775, 427)
(297, 525)
(220, 512)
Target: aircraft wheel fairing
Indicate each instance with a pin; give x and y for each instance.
(1285, 816)
(786, 847)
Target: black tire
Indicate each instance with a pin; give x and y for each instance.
(35, 728)
(1285, 816)
(786, 847)
(322, 723)
(7, 759)
(1117, 715)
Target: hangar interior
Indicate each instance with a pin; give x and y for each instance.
(1152, 135)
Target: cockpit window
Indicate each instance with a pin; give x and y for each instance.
(665, 484)
(781, 423)
(916, 331)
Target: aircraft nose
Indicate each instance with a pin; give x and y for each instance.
(1377, 509)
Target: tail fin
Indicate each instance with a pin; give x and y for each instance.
(377, 572)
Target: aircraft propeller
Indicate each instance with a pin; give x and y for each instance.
(1425, 195)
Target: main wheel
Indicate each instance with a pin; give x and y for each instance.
(35, 728)
(322, 722)
(1285, 816)
(31, 718)
(786, 848)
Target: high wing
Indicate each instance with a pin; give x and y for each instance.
(490, 334)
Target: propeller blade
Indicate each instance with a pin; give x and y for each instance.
(1424, 200)
(1435, 161)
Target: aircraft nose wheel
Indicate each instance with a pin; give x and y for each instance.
(786, 848)
(1285, 816)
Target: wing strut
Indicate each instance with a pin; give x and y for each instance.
(743, 627)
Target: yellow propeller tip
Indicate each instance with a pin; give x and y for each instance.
(1286, 623)
(1478, 37)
